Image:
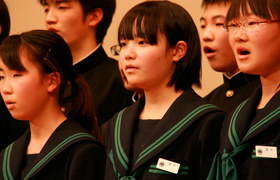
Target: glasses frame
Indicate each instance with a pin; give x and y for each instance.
(243, 25)
(115, 50)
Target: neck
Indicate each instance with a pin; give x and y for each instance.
(158, 102)
(270, 86)
(42, 127)
(81, 49)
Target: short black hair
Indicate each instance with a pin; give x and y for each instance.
(175, 23)
(107, 6)
(205, 3)
(267, 9)
(4, 21)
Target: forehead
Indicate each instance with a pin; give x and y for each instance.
(45, 2)
(215, 10)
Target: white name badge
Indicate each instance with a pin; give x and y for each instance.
(266, 151)
(168, 166)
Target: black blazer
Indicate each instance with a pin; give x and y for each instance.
(187, 134)
(70, 153)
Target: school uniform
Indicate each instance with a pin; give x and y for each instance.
(104, 79)
(10, 129)
(70, 153)
(188, 134)
(233, 91)
(244, 129)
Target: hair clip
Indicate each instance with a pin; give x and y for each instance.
(47, 54)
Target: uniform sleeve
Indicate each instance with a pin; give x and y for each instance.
(209, 142)
(87, 162)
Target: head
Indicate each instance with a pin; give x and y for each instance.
(250, 44)
(166, 23)
(213, 37)
(104, 8)
(4, 21)
(51, 57)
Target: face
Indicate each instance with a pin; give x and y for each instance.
(66, 19)
(214, 39)
(146, 66)
(257, 50)
(24, 93)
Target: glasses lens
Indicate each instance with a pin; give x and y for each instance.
(250, 23)
(231, 27)
(115, 50)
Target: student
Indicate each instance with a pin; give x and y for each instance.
(170, 121)
(34, 70)
(250, 136)
(10, 129)
(83, 25)
(237, 86)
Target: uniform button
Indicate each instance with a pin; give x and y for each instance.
(229, 93)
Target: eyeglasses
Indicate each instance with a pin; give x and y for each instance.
(249, 24)
(115, 50)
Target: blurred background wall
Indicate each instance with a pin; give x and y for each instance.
(29, 14)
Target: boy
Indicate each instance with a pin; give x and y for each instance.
(214, 40)
(83, 25)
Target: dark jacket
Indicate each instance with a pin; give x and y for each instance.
(243, 129)
(187, 134)
(70, 153)
(104, 79)
(233, 91)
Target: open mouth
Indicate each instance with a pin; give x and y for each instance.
(243, 52)
(208, 50)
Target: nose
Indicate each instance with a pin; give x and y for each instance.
(129, 51)
(240, 35)
(6, 87)
(51, 17)
(207, 34)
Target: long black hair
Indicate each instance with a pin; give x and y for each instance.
(50, 53)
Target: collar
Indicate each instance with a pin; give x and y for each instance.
(68, 133)
(238, 79)
(175, 121)
(91, 61)
(88, 54)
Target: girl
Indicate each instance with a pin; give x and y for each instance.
(250, 138)
(34, 70)
(170, 132)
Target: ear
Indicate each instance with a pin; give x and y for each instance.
(52, 81)
(180, 51)
(94, 17)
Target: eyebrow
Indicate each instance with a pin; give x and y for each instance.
(215, 17)
(57, 2)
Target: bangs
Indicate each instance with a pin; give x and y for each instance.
(266, 9)
(142, 21)
(44, 2)
(10, 53)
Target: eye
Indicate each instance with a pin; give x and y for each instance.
(17, 75)
(1, 77)
(46, 9)
(143, 42)
(202, 26)
(122, 44)
(219, 24)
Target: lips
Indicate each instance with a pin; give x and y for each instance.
(242, 53)
(53, 29)
(130, 68)
(10, 105)
(209, 52)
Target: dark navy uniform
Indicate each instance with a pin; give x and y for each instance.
(188, 134)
